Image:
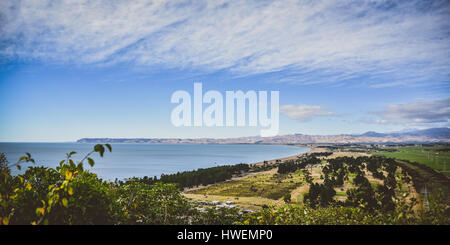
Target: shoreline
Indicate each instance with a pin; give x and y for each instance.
(304, 149)
(312, 149)
(247, 174)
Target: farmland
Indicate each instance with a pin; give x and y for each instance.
(272, 188)
(436, 157)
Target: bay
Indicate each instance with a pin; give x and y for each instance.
(128, 160)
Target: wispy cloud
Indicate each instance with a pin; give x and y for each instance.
(416, 113)
(374, 43)
(303, 112)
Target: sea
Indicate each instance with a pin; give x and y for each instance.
(138, 160)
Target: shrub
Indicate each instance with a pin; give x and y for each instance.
(140, 203)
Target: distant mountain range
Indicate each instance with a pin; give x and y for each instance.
(433, 133)
(441, 135)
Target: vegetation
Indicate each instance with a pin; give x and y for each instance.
(65, 195)
(365, 195)
(320, 154)
(265, 185)
(340, 215)
(426, 178)
(436, 157)
(69, 194)
(379, 195)
(300, 163)
(375, 191)
(197, 177)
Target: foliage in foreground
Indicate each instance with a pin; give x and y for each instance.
(69, 194)
(341, 215)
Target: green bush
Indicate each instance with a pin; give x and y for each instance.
(140, 203)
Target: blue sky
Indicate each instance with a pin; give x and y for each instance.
(108, 68)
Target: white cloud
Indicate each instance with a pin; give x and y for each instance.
(381, 43)
(303, 112)
(416, 113)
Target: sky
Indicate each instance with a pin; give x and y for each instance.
(76, 69)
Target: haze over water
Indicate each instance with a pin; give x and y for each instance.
(128, 160)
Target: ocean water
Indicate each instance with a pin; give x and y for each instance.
(128, 160)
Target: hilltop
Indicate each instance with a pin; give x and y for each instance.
(431, 135)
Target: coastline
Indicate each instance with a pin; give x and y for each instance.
(50, 153)
(311, 150)
(247, 174)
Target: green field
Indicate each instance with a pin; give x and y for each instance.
(267, 185)
(436, 157)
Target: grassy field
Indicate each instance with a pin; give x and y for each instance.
(252, 192)
(270, 188)
(268, 185)
(436, 157)
(247, 203)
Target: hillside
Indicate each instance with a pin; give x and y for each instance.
(432, 135)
